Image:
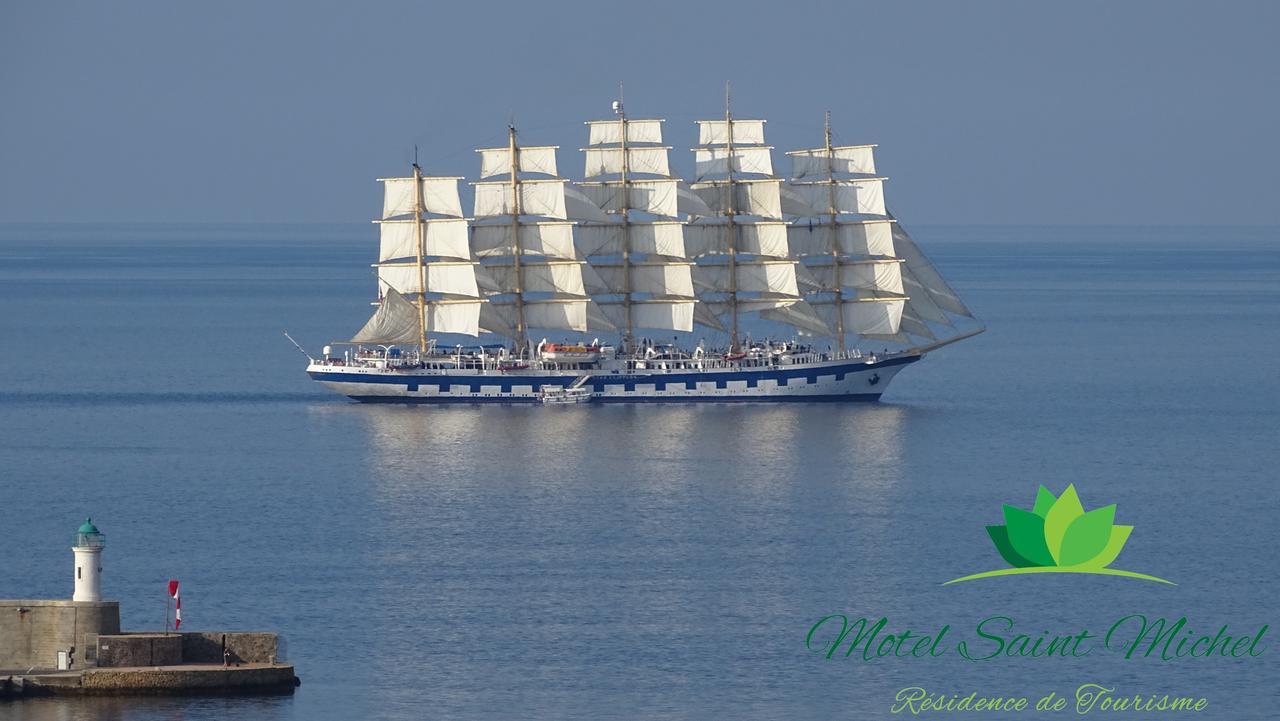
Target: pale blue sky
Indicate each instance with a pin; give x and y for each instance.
(986, 112)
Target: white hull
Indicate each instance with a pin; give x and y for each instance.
(825, 380)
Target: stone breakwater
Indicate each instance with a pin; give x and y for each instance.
(114, 663)
(185, 679)
(159, 680)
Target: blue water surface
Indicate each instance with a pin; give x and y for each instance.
(649, 561)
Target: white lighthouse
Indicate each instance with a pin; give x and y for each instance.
(88, 550)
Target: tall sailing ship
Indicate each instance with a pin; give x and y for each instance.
(630, 252)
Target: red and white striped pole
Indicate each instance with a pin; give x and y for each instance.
(177, 604)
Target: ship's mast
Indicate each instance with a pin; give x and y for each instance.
(522, 335)
(835, 235)
(654, 290)
(730, 227)
(629, 331)
(422, 267)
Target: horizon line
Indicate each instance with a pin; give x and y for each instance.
(913, 225)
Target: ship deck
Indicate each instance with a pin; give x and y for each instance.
(860, 378)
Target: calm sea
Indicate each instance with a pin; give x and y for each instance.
(649, 561)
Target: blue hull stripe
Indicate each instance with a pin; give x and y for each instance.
(463, 400)
(627, 383)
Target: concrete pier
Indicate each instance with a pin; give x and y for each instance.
(199, 662)
(33, 631)
(184, 679)
(76, 647)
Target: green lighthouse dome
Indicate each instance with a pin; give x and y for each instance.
(88, 536)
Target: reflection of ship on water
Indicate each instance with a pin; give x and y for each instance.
(746, 445)
(458, 443)
(550, 502)
(633, 250)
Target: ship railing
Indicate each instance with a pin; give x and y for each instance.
(441, 359)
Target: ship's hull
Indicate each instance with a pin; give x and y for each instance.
(836, 380)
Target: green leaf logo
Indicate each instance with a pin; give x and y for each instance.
(1058, 536)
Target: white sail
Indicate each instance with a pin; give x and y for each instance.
(921, 304)
(579, 207)
(533, 159)
(913, 325)
(644, 160)
(560, 314)
(447, 277)
(719, 161)
(552, 314)
(537, 197)
(716, 132)
(453, 317)
(562, 277)
(614, 272)
(760, 276)
(705, 314)
(749, 197)
(396, 320)
(500, 318)
(689, 203)
(707, 237)
(792, 311)
(799, 315)
(665, 279)
(439, 196)
(550, 238)
(658, 197)
(865, 316)
(864, 196)
(883, 276)
(657, 314)
(607, 132)
(767, 302)
(442, 238)
(664, 238)
(899, 337)
(854, 238)
(940, 292)
(846, 159)
(793, 203)
(873, 316)
(858, 258)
